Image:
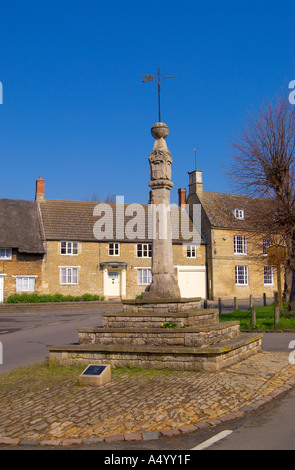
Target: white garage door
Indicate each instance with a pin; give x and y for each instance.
(192, 281)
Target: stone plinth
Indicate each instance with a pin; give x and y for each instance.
(155, 319)
(159, 305)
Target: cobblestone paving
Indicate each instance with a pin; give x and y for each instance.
(59, 411)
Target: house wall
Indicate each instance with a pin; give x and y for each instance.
(92, 260)
(224, 260)
(21, 264)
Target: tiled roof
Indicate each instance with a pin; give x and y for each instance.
(220, 208)
(75, 220)
(19, 226)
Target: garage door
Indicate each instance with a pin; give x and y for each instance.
(192, 282)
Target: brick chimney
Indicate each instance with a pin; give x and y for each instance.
(181, 197)
(40, 189)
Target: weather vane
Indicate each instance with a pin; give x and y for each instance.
(159, 77)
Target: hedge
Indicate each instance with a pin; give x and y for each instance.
(37, 298)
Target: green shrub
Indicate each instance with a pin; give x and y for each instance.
(42, 298)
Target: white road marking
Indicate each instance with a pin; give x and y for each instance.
(212, 440)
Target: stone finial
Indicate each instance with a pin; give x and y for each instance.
(159, 130)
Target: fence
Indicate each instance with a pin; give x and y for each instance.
(228, 306)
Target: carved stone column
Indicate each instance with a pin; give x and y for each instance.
(164, 284)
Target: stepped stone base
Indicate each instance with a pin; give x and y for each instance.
(211, 359)
(136, 337)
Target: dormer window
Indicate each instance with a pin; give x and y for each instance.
(239, 213)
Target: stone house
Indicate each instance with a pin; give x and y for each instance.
(236, 249)
(21, 248)
(118, 265)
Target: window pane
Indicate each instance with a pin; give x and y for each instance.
(63, 275)
(63, 248)
(149, 276)
(139, 276)
(240, 244)
(144, 276)
(69, 276)
(150, 250)
(241, 275)
(268, 275)
(75, 276)
(139, 250)
(75, 248)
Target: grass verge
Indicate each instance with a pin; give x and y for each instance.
(264, 318)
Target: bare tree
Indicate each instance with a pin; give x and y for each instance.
(263, 165)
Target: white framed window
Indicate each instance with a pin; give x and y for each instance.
(114, 249)
(241, 275)
(268, 275)
(69, 248)
(144, 276)
(240, 245)
(5, 253)
(239, 213)
(68, 275)
(144, 250)
(25, 284)
(266, 243)
(191, 251)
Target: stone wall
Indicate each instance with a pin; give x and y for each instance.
(21, 264)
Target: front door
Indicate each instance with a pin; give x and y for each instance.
(113, 284)
(1, 288)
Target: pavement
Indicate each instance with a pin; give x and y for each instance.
(53, 410)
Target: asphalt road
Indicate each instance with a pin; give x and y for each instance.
(26, 335)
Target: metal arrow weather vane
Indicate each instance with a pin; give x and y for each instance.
(159, 77)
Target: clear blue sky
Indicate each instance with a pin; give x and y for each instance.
(76, 112)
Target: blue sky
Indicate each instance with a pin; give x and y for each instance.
(75, 110)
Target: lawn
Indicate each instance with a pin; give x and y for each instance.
(264, 319)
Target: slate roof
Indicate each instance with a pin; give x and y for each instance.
(20, 226)
(75, 220)
(220, 207)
